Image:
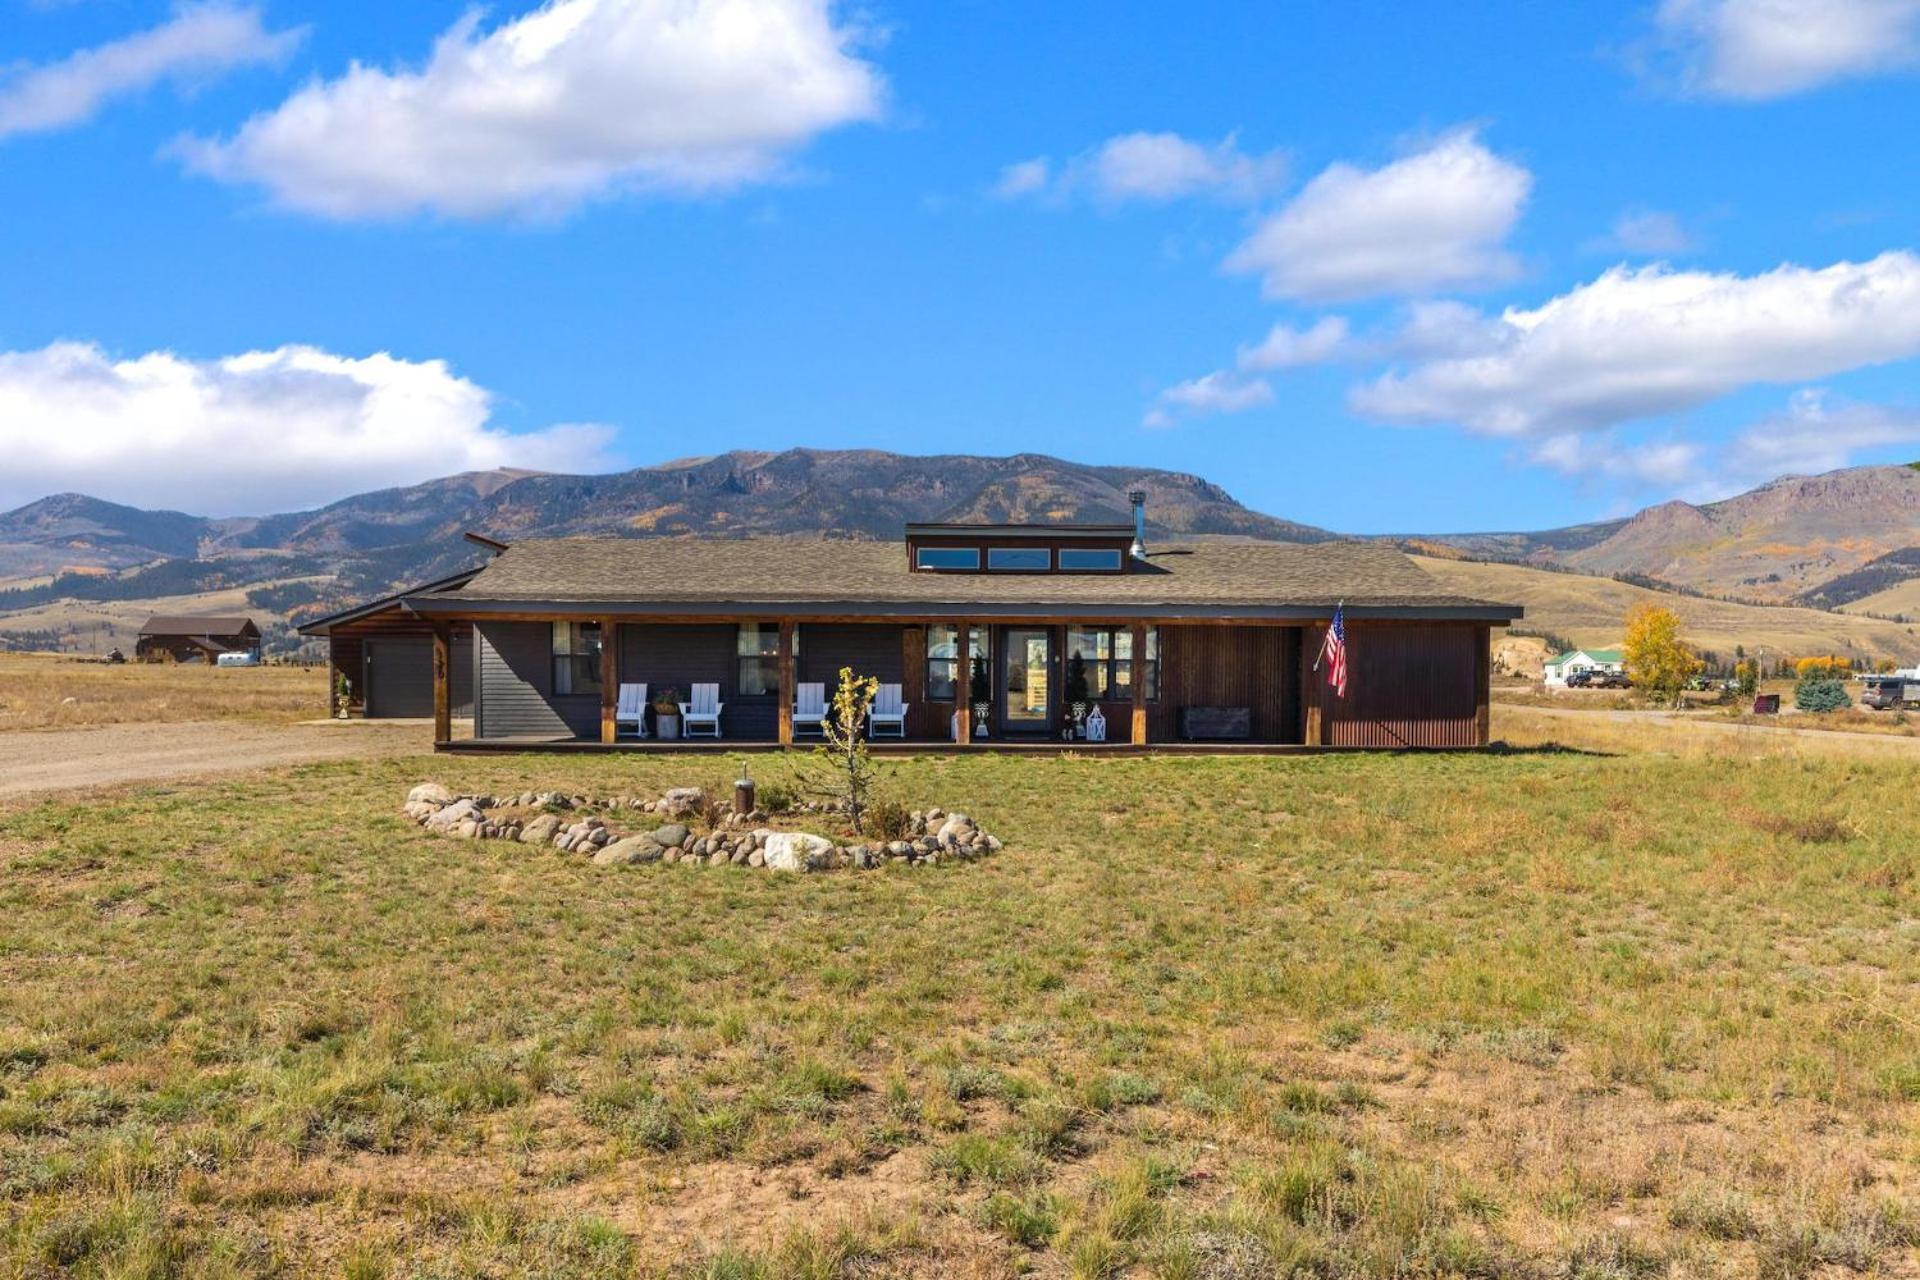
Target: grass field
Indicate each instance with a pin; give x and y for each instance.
(1534, 1014)
(48, 691)
(1589, 611)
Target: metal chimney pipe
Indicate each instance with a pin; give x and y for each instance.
(1138, 498)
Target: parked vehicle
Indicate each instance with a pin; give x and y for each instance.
(1892, 691)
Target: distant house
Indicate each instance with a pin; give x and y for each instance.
(987, 633)
(1559, 667)
(195, 638)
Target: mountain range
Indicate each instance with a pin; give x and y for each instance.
(1824, 540)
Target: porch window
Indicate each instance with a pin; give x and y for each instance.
(758, 648)
(1100, 664)
(576, 657)
(943, 665)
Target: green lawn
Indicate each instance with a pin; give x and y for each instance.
(1525, 1015)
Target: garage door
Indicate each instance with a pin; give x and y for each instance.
(400, 679)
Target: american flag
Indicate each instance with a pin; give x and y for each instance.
(1334, 652)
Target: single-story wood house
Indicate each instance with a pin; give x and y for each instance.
(990, 631)
(195, 638)
(1560, 666)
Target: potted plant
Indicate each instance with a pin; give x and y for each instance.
(342, 693)
(1079, 693)
(666, 713)
(980, 693)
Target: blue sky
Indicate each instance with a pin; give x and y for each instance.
(1374, 266)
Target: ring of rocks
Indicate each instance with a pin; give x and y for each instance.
(601, 829)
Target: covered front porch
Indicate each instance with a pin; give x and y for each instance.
(1023, 684)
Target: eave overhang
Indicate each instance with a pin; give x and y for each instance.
(923, 611)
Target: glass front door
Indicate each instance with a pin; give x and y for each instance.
(1029, 682)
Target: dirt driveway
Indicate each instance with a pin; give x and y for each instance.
(40, 761)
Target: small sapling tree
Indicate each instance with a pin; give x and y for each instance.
(847, 772)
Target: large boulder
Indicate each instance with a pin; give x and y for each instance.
(429, 793)
(671, 836)
(797, 851)
(540, 829)
(450, 817)
(682, 802)
(625, 853)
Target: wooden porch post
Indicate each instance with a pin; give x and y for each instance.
(963, 685)
(1483, 685)
(333, 677)
(609, 679)
(786, 682)
(1313, 686)
(442, 681)
(1139, 681)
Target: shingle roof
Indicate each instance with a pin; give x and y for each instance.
(785, 570)
(195, 625)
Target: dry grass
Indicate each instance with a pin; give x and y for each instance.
(1525, 1015)
(47, 691)
(1588, 611)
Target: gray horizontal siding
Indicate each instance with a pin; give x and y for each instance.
(679, 657)
(869, 650)
(516, 686)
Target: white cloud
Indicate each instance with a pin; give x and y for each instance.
(1434, 220)
(1218, 392)
(1664, 464)
(1149, 167)
(1640, 342)
(263, 431)
(579, 99)
(1815, 435)
(1756, 49)
(1646, 233)
(1285, 347)
(199, 42)
(1026, 178)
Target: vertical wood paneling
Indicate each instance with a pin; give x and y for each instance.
(1252, 667)
(1408, 685)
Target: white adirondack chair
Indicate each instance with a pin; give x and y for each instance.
(702, 715)
(810, 709)
(631, 710)
(888, 713)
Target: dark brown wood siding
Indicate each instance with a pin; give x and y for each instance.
(1224, 666)
(1408, 685)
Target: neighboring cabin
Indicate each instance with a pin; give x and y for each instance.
(1170, 643)
(196, 638)
(1559, 667)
